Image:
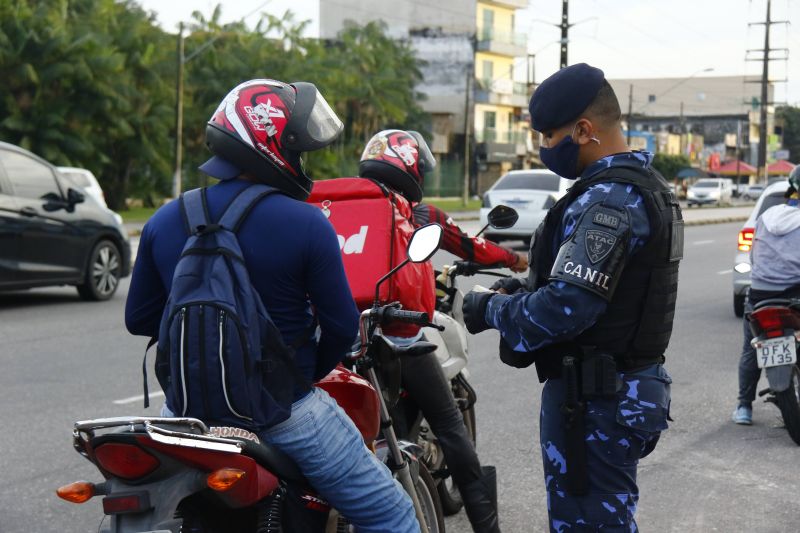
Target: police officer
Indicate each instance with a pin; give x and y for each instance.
(595, 314)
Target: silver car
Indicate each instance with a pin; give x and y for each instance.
(772, 195)
(531, 193)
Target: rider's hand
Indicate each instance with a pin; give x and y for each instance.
(522, 262)
(507, 285)
(475, 310)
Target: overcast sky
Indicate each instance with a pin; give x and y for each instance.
(626, 38)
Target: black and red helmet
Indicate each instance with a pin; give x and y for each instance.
(262, 126)
(398, 159)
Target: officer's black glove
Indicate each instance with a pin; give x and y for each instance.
(474, 309)
(510, 285)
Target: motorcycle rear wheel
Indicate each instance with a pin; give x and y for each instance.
(789, 403)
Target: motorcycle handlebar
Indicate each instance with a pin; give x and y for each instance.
(470, 268)
(392, 314)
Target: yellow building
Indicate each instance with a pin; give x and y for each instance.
(500, 133)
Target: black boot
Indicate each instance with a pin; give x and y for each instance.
(480, 502)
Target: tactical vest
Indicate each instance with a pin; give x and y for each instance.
(637, 324)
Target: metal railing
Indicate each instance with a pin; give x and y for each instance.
(500, 36)
(501, 136)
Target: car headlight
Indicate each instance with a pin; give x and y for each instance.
(743, 268)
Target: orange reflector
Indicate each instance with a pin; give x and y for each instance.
(78, 492)
(224, 478)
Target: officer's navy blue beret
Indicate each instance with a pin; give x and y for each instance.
(563, 96)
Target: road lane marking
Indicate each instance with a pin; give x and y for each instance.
(721, 272)
(697, 243)
(138, 398)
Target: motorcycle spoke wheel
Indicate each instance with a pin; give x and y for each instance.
(789, 403)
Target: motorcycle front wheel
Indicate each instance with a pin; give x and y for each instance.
(425, 487)
(789, 403)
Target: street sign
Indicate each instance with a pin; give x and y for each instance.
(781, 154)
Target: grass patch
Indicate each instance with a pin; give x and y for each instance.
(453, 205)
(137, 214)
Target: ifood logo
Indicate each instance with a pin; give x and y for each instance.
(354, 244)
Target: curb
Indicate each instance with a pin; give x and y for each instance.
(706, 222)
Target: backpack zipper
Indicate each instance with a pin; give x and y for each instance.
(182, 357)
(203, 365)
(222, 365)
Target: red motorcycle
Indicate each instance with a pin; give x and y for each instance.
(177, 475)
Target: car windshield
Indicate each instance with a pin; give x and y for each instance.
(533, 181)
(707, 184)
(771, 200)
(77, 178)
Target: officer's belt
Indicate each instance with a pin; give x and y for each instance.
(550, 366)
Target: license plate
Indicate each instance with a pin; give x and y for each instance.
(776, 352)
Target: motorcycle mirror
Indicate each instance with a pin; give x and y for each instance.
(502, 217)
(424, 243)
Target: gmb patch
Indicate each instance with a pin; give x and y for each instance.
(599, 244)
(607, 220)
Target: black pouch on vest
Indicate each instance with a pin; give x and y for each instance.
(599, 377)
(515, 359)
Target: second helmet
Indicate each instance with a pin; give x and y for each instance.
(398, 159)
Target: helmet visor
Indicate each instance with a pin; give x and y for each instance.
(425, 155)
(314, 124)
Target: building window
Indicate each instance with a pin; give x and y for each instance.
(488, 71)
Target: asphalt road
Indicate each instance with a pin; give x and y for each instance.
(63, 360)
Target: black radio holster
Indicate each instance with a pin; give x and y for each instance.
(599, 377)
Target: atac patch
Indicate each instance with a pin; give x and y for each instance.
(599, 244)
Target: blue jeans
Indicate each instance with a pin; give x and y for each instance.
(331, 453)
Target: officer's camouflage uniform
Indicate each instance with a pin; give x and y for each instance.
(619, 431)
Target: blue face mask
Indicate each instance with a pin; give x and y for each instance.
(563, 157)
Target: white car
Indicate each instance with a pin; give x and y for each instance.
(85, 180)
(710, 191)
(531, 193)
(772, 195)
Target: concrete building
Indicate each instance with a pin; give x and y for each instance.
(501, 134)
(705, 118)
(469, 49)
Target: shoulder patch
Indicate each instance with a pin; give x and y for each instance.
(599, 244)
(606, 219)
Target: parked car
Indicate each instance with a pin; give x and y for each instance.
(710, 191)
(49, 234)
(85, 180)
(773, 195)
(753, 192)
(531, 193)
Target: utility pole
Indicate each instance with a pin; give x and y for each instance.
(630, 113)
(765, 59)
(177, 185)
(565, 26)
(468, 123)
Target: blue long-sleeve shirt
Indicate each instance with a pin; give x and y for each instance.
(294, 262)
(560, 311)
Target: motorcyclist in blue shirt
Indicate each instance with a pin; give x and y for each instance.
(293, 260)
(595, 315)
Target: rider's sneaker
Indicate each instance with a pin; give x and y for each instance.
(743, 415)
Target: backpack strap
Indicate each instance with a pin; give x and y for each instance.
(242, 204)
(195, 210)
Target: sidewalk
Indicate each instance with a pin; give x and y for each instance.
(694, 216)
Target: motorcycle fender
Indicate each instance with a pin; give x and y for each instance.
(779, 377)
(165, 497)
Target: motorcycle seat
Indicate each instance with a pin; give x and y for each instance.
(273, 460)
(416, 349)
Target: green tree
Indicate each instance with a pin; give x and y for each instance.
(791, 130)
(84, 87)
(670, 165)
